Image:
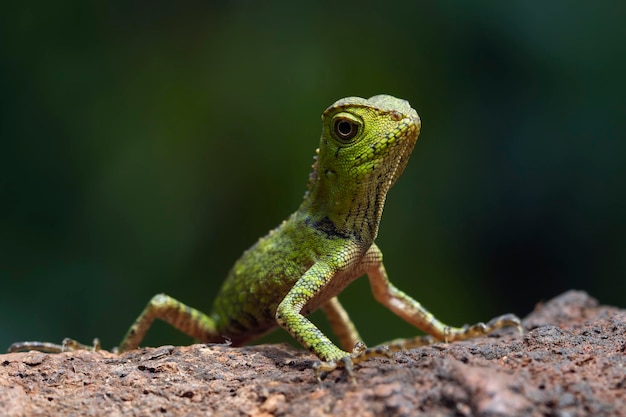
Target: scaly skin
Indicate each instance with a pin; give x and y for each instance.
(304, 263)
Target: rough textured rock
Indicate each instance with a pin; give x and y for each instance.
(571, 361)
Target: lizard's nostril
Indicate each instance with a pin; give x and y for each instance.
(397, 116)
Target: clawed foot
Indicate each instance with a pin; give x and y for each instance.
(68, 345)
(452, 334)
(359, 354)
(482, 329)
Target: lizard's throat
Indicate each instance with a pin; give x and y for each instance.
(354, 211)
(364, 216)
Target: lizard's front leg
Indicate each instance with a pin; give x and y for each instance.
(413, 312)
(289, 316)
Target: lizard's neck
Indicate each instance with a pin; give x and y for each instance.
(344, 205)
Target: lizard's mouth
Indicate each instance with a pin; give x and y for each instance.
(383, 155)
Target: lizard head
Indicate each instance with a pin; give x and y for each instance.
(364, 148)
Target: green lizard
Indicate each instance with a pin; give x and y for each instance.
(304, 263)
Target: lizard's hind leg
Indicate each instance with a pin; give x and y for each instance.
(341, 324)
(68, 345)
(184, 318)
(414, 313)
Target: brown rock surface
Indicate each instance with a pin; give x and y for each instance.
(571, 361)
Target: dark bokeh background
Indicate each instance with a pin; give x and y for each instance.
(146, 144)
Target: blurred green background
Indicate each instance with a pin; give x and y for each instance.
(146, 144)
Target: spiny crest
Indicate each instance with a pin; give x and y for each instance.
(313, 175)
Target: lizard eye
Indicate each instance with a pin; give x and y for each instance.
(345, 129)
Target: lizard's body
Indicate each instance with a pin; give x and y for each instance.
(305, 262)
(292, 248)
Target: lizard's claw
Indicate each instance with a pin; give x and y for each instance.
(359, 354)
